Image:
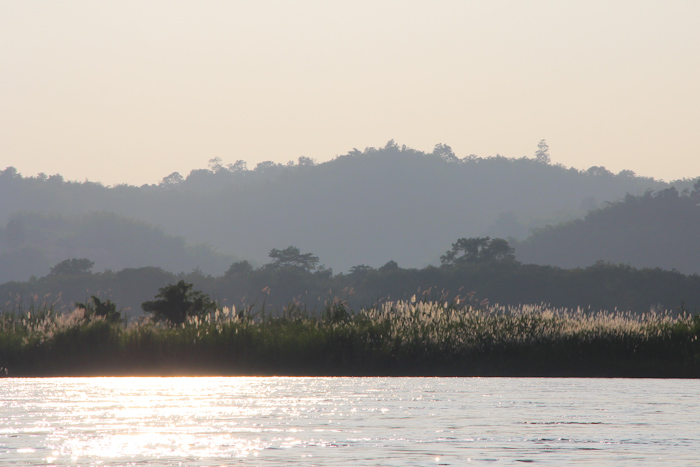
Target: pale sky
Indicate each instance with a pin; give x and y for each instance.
(130, 91)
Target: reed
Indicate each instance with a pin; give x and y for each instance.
(415, 337)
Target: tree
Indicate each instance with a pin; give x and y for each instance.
(478, 250)
(306, 161)
(238, 167)
(215, 164)
(266, 165)
(72, 267)
(695, 194)
(498, 250)
(96, 307)
(238, 269)
(10, 172)
(391, 144)
(542, 153)
(445, 152)
(177, 302)
(599, 171)
(291, 257)
(390, 265)
(172, 180)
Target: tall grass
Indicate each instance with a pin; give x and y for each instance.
(392, 338)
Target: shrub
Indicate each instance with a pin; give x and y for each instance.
(97, 308)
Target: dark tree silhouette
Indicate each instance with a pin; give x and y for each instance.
(239, 268)
(72, 267)
(176, 302)
(390, 265)
(97, 308)
(478, 250)
(542, 153)
(291, 257)
(172, 180)
(695, 193)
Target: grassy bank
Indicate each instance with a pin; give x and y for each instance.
(394, 338)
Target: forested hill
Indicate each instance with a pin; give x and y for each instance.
(32, 243)
(360, 208)
(657, 229)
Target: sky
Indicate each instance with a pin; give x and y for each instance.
(131, 91)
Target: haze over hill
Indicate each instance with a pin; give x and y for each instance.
(366, 207)
(658, 229)
(31, 243)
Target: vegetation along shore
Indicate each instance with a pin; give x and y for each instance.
(185, 333)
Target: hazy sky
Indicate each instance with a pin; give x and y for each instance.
(130, 91)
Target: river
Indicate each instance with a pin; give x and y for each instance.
(348, 421)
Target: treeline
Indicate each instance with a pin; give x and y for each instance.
(479, 269)
(656, 229)
(360, 208)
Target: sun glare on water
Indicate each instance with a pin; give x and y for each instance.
(164, 418)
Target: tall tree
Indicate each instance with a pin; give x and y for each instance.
(292, 257)
(72, 267)
(176, 302)
(542, 153)
(478, 250)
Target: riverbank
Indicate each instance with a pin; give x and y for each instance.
(391, 339)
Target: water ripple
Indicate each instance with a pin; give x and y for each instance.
(347, 421)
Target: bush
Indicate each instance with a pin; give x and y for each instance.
(97, 308)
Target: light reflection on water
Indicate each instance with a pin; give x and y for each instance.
(348, 421)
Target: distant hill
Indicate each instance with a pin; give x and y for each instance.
(657, 229)
(365, 207)
(31, 243)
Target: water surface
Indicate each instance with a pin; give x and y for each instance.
(348, 421)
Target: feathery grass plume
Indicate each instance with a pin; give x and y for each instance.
(417, 336)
